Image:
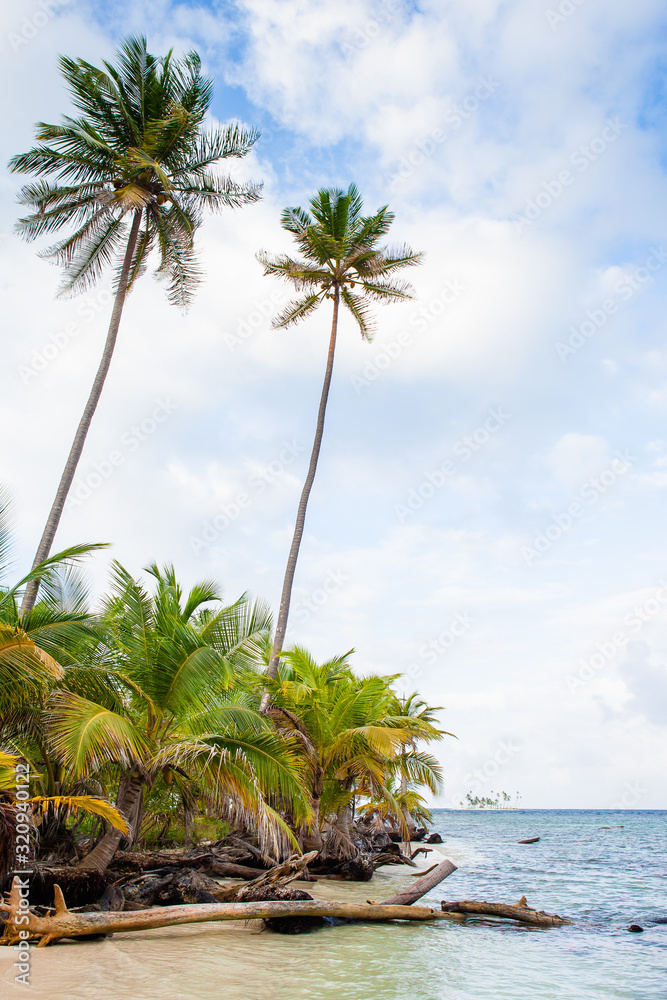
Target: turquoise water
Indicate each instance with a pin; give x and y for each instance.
(602, 879)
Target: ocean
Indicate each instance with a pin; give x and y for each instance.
(604, 870)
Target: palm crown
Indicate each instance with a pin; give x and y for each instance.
(341, 253)
(136, 147)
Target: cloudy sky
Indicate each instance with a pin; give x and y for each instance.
(489, 513)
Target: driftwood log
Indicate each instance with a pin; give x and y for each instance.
(521, 911)
(66, 924)
(422, 885)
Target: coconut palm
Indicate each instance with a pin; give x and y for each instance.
(40, 806)
(377, 815)
(350, 739)
(131, 174)
(171, 711)
(33, 651)
(342, 260)
(33, 647)
(424, 725)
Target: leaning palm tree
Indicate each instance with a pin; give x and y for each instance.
(131, 174)
(340, 251)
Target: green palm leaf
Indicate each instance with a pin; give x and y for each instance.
(86, 735)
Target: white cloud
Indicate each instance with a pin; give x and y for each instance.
(493, 301)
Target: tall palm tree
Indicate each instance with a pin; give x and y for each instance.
(340, 251)
(131, 174)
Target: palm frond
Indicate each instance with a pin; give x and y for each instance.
(296, 310)
(6, 518)
(136, 140)
(80, 803)
(85, 735)
(359, 309)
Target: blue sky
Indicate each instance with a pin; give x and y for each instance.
(488, 517)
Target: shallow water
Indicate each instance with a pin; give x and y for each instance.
(604, 879)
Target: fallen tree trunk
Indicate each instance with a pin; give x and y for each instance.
(144, 861)
(66, 924)
(172, 886)
(264, 859)
(226, 869)
(422, 885)
(521, 911)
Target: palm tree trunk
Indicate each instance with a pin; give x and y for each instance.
(53, 520)
(409, 821)
(286, 596)
(128, 804)
(311, 840)
(343, 821)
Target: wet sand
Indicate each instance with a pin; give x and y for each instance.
(239, 961)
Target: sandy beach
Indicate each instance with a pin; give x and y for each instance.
(136, 962)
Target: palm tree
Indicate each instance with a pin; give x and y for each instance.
(377, 814)
(340, 252)
(424, 725)
(350, 740)
(171, 712)
(41, 806)
(34, 654)
(131, 174)
(34, 646)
